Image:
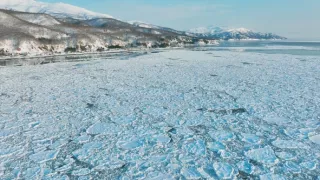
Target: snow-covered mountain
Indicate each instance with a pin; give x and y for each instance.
(206, 30)
(152, 26)
(231, 33)
(23, 33)
(216, 33)
(59, 10)
(144, 25)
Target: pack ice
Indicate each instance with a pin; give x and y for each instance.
(176, 114)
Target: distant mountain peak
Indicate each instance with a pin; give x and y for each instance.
(214, 29)
(204, 30)
(241, 30)
(231, 33)
(60, 10)
(143, 24)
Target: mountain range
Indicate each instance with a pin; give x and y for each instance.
(232, 34)
(33, 27)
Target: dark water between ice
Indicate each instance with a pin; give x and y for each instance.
(22, 61)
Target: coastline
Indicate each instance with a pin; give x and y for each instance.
(125, 49)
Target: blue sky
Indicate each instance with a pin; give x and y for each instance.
(298, 19)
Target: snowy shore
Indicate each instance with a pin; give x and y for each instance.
(166, 115)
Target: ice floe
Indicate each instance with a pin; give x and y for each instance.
(216, 146)
(250, 138)
(276, 120)
(264, 155)
(246, 167)
(223, 136)
(271, 176)
(44, 156)
(309, 165)
(195, 147)
(207, 172)
(81, 172)
(293, 167)
(289, 144)
(190, 173)
(285, 155)
(86, 150)
(315, 139)
(224, 170)
(102, 128)
(132, 144)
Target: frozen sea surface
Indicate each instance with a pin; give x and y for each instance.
(171, 115)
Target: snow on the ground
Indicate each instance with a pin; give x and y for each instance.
(191, 114)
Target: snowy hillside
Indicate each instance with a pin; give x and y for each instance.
(231, 33)
(20, 35)
(23, 33)
(206, 30)
(39, 19)
(143, 24)
(59, 10)
(152, 26)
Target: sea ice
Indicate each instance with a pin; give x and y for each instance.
(34, 124)
(2, 169)
(161, 139)
(315, 139)
(8, 132)
(216, 146)
(250, 138)
(83, 139)
(309, 165)
(86, 150)
(160, 176)
(103, 128)
(263, 155)
(289, 144)
(195, 147)
(224, 170)
(285, 155)
(223, 136)
(155, 111)
(293, 167)
(271, 176)
(44, 156)
(92, 145)
(207, 173)
(227, 155)
(7, 152)
(32, 173)
(246, 167)
(123, 119)
(64, 168)
(81, 172)
(132, 144)
(110, 164)
(190, 173)
(276, 120)
(154, 117)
